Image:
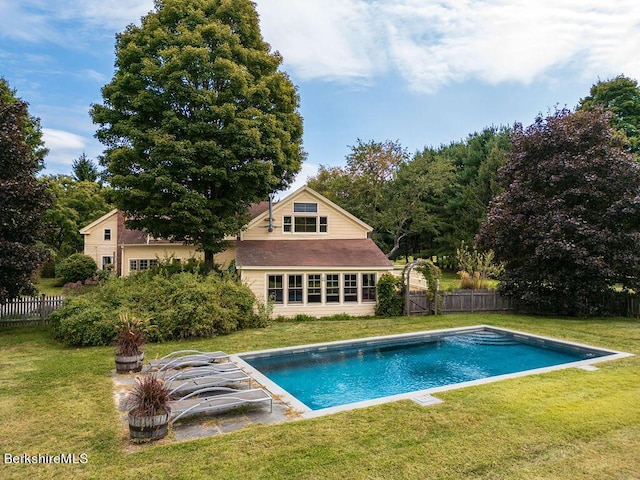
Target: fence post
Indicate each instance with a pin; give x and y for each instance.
(42, 297)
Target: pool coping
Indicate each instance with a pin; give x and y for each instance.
(421, 397)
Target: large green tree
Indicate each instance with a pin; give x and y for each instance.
(23, 199)
(361, 187)
(74, 205)
(621, 96)
(198, 121)
(567, 225)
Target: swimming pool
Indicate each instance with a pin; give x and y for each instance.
(323, 378)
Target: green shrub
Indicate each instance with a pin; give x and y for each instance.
(390, 292)
(182, 305)
(76, 268)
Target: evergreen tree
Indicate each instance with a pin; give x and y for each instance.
(84, 169)
(198, 121)
(23, 199)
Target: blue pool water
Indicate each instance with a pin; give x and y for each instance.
(324, 377)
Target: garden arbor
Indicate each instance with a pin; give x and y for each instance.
(432, 278)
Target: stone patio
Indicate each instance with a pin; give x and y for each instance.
(203, 426)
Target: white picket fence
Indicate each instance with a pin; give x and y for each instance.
(29, 310)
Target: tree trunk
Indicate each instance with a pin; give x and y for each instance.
(396, 244)
(208, 261)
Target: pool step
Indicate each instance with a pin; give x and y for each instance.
(490, 338)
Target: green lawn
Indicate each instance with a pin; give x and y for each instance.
(568, 424)
(48, 287)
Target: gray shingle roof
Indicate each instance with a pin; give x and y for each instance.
(310, 253)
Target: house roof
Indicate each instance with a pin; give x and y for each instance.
(361, 252)
(137, 237)
(85, 229)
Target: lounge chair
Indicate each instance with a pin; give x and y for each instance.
(216, 400)
(204, 370)
(195, 367)
(179, 387)
(186, 358)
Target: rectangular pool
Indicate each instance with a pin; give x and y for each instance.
(334, 376)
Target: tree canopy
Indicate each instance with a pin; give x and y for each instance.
(75, 204)
(621, 96)
(567, 224)
(198, 121)
(23, 199)
(425, 205)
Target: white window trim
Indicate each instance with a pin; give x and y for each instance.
(323, 288)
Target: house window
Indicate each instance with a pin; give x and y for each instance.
(323, 224)
(368, 287)
(107, 262)
(332, 288)
(275, 288)
(107, 234)
(286, 224)
(350, 287)
(306, 224)
(142, 264)
(314, 289)
(295, 289)
(299, 207)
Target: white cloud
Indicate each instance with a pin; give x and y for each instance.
(64, 147)
(60, 139)
(432, 43)
(67, 23)
(324, 39)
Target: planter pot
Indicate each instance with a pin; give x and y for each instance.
(129, 363)
(149, 428)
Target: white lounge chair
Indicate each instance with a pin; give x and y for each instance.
(203, 370)
(179, 387)
(216, 400)
(186, 358)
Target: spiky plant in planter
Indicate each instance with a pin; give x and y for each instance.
(131, 334)
(149, 408)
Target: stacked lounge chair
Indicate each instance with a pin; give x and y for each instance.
(179, 386)
(216, 400)
(201, 379)
(186, 358)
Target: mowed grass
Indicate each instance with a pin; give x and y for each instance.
(568, 424)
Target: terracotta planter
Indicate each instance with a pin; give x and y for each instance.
(149, 428)
(126, 364)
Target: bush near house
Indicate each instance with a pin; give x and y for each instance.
(182, 305)
(390, 291)
(76, 268)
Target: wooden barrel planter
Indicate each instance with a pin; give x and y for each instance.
(149, 428)
(126, 364)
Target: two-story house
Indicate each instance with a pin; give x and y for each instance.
(304, 252)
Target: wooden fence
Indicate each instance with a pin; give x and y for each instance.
(459, 301)
(29, 310)
(473, 301)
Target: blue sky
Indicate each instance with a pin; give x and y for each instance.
(422, 72)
